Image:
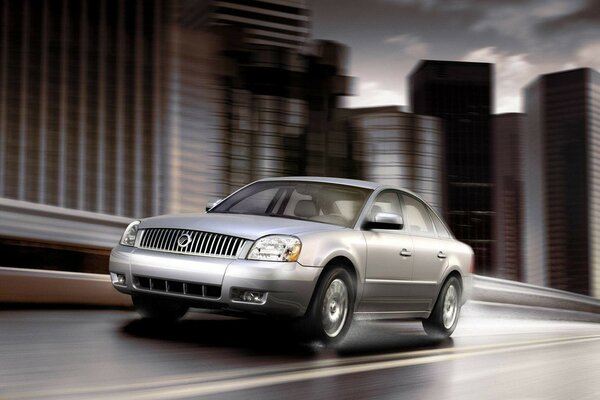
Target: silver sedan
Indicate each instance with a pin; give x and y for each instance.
(319, 251)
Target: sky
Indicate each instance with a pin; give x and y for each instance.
(523, 38)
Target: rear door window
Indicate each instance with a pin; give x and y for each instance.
(417, 217)
(440, 227)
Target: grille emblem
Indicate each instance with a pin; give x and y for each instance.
(184, 240)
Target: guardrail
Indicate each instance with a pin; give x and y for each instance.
(32, 221)
(56, 287)
(32, 286)
(510, 292)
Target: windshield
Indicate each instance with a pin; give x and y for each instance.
(311, 201)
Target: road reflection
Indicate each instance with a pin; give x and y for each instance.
(72, 354)
(268, 337)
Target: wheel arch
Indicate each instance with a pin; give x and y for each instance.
(450, 272)
(348, 265)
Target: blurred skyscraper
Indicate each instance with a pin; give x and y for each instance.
(82, 85)
(279, 109)
(562, 181)
(135, 108)
(326, 148)
(507, 138)
(398, 148)
(280, 23)
(460, 93)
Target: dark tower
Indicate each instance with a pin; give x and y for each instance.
(460, 93)
(562, 177)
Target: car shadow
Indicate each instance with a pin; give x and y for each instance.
(267, 337)
(272, 337)
(384, 337)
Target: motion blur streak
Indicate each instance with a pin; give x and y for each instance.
(227, 381)
(497, 353)
(234, 385)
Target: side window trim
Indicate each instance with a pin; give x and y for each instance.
(434, 215)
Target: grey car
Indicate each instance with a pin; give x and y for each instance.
(320, 251)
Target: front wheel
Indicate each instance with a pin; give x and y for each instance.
(158, 309)
(444, 317)
(330, 313)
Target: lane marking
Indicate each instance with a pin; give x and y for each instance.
(255, 376)
(291, 377)
(528, 307)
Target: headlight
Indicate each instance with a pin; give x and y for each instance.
(128, 238)
(276, 248)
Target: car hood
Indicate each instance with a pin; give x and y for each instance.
(240, 225)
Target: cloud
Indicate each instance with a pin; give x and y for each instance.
(527, 20)
(410, 45)
(513, 72)
(588, 55)
(521, 19)
(371, 94)
(425, 4)
(584, 16)
(449, 5)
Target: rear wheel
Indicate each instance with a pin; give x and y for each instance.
(330, 313)
(444, 317)
(158, 308)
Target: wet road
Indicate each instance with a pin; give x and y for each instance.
(495, 353)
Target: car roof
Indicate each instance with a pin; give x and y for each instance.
(323, 179)
(338, 181)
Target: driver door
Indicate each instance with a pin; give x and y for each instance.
(389, 261)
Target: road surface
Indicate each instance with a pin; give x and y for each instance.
(495, 353)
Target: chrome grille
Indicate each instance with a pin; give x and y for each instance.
(198, 242)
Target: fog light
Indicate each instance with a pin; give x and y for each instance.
(121, 280)
(249, 296)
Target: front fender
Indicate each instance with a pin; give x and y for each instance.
(319, 248)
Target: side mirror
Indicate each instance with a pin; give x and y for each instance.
(212, 204)
(383, 220)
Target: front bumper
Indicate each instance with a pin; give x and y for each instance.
(288, 286)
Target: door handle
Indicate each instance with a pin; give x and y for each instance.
(405, 253)
(441, 254)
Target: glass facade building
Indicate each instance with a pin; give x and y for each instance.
(562, 181)
(400, 149)
(280, 23)
(80, 103)
(460, 94)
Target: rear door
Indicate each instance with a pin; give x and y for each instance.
(428, 258)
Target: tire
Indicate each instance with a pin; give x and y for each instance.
(158, 309)
(444, 317)
(329, 315)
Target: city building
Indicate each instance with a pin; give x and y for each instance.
(460, 94)
(280, 23)
(326, 148)
(90, 103)
(562, 181)
(138, 108)
(398, 148)
(280, 112)
(507, 137)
